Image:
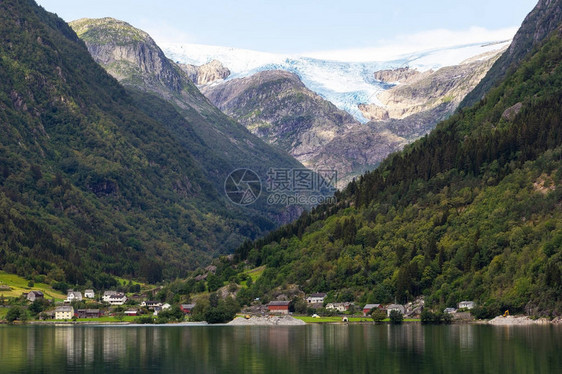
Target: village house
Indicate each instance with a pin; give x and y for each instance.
(340, 307)
(397, 307)
(88, 313)
(35, 295)
(107, 295)
(368, 309)
(64, 312)
(187, 308)
(73, 296)
(449, 310)
(157, 309)
(151, 304)
(117, 299)
(316, 298)
(131, 312)
(466, 305)
(278, 307)
(89, 294)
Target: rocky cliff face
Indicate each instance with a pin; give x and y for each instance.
(539, 23)
(276, 106)
(207, 73)
(418, 92)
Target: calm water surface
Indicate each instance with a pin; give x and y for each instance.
(410, 348)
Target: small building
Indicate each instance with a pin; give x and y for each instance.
(89, 294)
(157, 310)
(117, 299)
(131, 312)
(316, 298)
(88, 313)
(466, 305)
(151, 304)
(166, 306)
(73, 296)
(278, 307)
(449, 310)
(64, 312)
(107, 295)
(397, 307)
(187, 308)
(35, 295)
(340, 307)
(368, 309)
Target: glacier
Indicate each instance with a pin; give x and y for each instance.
(345, 84)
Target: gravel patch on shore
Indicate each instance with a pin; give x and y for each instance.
(517, 321)
(267, 321)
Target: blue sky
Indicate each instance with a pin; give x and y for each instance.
(293, 26)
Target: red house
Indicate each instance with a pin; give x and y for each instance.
(280, 307)
(187, 308)
(367, 309)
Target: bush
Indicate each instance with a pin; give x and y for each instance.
(428, 317)
(396, 317)
(378, 315)
(16, 313)
(144, 320)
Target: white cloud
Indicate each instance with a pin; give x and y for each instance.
(389, 49)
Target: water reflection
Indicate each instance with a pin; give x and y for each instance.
(299, 349)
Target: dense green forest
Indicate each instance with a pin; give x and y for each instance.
(470, 212)
(90, 184)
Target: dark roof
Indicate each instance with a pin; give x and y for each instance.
(117, 296)
(279, 303)
(321, 294)
(88, 310)
(371, 306)
(37, 293)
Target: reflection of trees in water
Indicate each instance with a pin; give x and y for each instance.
(307, 349)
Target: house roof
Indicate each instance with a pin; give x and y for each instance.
(75, 293)
(89, 291)
(64, 308)
(117, 296)
(321, 294)
(36, 293)
(371, 306)
(395, 306)
(188, 306)
(88, 310)
(109, 293)
(279, 303)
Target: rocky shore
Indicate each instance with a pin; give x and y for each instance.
(522, 321)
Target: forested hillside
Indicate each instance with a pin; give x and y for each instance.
(90, 185)
(470, 212)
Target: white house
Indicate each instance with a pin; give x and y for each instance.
(449, 310)
(117, 299)
(89, 294)
(64, 312)
(35, 295)
(397, 307)
(73, 296)
(166, 306)
(151, 304)
(466, 305)
(340, 307)
(316, 298)
(107, 295)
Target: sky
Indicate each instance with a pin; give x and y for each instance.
(309, 27)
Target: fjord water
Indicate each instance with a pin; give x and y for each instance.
(410, 348)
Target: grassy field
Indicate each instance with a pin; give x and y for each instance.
(108, 319)
(254, 274)
(19, 285)
(308, 319)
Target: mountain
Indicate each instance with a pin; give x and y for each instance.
(222, 145)
(93, 182)
(276, 106)
(469, 212)
(538, 25)
(344, 83)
